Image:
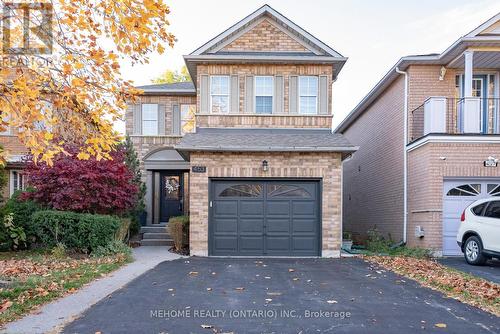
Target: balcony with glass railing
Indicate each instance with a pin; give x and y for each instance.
(455, 116)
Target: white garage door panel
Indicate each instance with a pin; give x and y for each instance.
(456, 197)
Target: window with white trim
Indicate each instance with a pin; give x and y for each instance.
(16, 181)
(308, 95)
(188, 123)
(150, 119)
(264, 89)
(219, 94)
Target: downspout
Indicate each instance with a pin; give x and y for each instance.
(405, 156)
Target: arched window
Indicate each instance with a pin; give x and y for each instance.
(494, 189)
(287, 190)
(465, 190)
(242, 190)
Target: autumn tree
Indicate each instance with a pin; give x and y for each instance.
(173, 76)
(69, 88)
(105, 186)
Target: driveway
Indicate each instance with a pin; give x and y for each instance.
(218, 295)
(490, 271)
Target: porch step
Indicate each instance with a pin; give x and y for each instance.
(157, 242)
(153, 229)
(149, 235)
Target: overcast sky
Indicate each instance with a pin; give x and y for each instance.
(372, 34)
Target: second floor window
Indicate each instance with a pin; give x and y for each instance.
(150, 119)
(264, 94)
(308, 90)
(219, 94)
(188, 123)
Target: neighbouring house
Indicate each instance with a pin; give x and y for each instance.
(14, 164)
(429, 142)
(247, 149)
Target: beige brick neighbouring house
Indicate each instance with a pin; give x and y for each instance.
(429, 138)
(247, 150)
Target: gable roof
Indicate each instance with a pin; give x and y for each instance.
(177, 88)
(316, 50)
(447, 58)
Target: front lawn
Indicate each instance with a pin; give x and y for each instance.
(32, 278)
(455, 284)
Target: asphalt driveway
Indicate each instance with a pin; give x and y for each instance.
(215, 295)
(490, 271)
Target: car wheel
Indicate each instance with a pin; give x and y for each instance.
(473, 250)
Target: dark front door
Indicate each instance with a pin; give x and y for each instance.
(171, 195)
(265, 218)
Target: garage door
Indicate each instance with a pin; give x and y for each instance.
(264, 218)
(457, 196)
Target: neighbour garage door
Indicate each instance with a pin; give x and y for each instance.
(264, 218)
(457, 196)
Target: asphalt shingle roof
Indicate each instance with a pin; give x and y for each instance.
(176, 87)
(265, 140)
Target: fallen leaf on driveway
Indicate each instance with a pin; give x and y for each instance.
(331, 301)
(209, 289)
(440, 325)
(239, 289)
(291, 270)
(193, 273)
(295, 278)
(268, 300)
(267, 277)
(207, 326)
(5, 305)
(274, 293)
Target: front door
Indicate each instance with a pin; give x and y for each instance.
(171, 196)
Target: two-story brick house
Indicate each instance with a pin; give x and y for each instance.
(247, 150)
(429, 139)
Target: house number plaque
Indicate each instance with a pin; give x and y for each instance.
(199, 169)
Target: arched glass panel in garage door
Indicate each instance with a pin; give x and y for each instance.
(493, 189)
(472, 189)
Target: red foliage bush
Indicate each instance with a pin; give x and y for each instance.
(92, 186)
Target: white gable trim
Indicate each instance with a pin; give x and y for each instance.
(260, 12)
(484, 26)
(255, 24)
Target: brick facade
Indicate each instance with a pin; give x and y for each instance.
(373, 177)
(265, 36)
(261, 69)
(427, 172)
(326, 166)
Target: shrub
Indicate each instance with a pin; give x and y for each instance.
(122, 233)
(87, 186)
(79, 231)
(15, 233)
(376, 242)
(113, 248)
(178, 228)
(131, 159)
(59, 251)
(22, 209)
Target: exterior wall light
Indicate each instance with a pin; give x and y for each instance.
(265, 166)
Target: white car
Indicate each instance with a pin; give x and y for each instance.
(479, 232)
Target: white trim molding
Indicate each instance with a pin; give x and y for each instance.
(464, 139)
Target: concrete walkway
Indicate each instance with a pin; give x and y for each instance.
(52, 317)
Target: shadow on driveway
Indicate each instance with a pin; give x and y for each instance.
(490, 271)
(278, 296)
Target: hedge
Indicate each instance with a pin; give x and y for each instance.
(79, 231)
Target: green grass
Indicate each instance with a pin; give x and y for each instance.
(28, 293)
